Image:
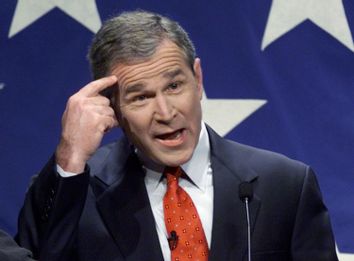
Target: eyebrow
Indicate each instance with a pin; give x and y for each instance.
(139, 86)
(172, 74)
(134, 88)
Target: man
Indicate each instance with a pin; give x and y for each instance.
(10, 251)
(131, 201)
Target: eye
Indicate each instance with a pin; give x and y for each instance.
(139, 98)
(174, 86)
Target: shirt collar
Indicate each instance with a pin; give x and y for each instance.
(196, 168)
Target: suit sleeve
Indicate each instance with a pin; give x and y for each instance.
(49, 219)
(10, 251)
(312, 237)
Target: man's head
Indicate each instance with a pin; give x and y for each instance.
(159, 84)
(132, 37)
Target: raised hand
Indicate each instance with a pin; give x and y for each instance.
(87, 117)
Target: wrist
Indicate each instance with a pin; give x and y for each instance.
(70, 160)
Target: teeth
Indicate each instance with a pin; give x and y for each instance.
(176, 135)
(170, 136)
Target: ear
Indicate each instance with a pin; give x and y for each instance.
(198, 74)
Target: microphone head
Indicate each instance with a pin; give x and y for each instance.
(245, 191)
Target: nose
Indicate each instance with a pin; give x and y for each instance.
(164, 109)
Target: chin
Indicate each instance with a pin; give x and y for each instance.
(175, 161)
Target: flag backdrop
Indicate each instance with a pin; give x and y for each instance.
(277, 75)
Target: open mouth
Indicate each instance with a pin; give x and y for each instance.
(172, 138)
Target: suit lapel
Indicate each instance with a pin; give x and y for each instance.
(229, 232)
(125, 209)
(124, 205)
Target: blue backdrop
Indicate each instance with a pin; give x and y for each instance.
(277, 75)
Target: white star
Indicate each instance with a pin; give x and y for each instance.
(344, 257)
(327, 14)
(2, 85)
(225, 114)
(28, 11)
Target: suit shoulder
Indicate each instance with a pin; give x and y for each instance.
(264, 162)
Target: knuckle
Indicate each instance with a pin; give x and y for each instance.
(71, 99)
(111, 111)
(104, 100)
(92, 84)
(75, 99)
(107, 101)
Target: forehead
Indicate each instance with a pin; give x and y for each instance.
(167, 58)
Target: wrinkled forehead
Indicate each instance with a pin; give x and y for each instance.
(167, 58)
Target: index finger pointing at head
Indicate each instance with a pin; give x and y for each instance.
(95, 87)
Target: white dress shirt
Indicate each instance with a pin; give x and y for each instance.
(199, 171)
(201, 191)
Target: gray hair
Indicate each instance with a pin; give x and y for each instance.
(132, 37)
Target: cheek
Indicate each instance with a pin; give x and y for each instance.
(136, 123)
(191, 105)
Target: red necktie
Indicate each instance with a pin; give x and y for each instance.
(186, 235)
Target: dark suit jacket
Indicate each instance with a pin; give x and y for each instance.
(10, 251)
(104, 214)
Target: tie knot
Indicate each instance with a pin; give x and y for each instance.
(173, 173)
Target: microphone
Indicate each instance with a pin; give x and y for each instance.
(246, 191)
(246, 195)
(172, 240)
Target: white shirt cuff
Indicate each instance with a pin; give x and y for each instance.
(65, 174)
